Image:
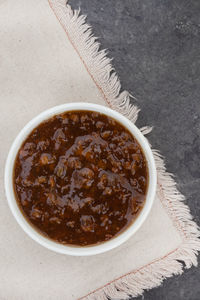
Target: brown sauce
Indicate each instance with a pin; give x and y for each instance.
(80, 178)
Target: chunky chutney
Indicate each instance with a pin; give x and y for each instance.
(80, 178)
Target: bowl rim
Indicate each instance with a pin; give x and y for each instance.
(76, 250)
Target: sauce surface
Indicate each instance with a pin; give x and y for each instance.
(80, 178)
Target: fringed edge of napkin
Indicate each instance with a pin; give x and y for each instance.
(104, 76)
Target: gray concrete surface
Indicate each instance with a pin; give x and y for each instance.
(156, 50)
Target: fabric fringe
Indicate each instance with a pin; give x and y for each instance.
(179, 213)
(95, 60)
(103, 74)
(146, 130)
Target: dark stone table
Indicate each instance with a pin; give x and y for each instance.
(156, 50)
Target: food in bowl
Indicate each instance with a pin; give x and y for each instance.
(80, 178)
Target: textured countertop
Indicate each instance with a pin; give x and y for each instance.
(156, 50)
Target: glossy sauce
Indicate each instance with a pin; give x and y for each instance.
(80, 178)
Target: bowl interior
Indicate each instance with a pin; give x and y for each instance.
(75, 250)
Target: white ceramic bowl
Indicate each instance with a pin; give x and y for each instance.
(73, 250)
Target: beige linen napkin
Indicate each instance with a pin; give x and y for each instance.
(43, 63)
